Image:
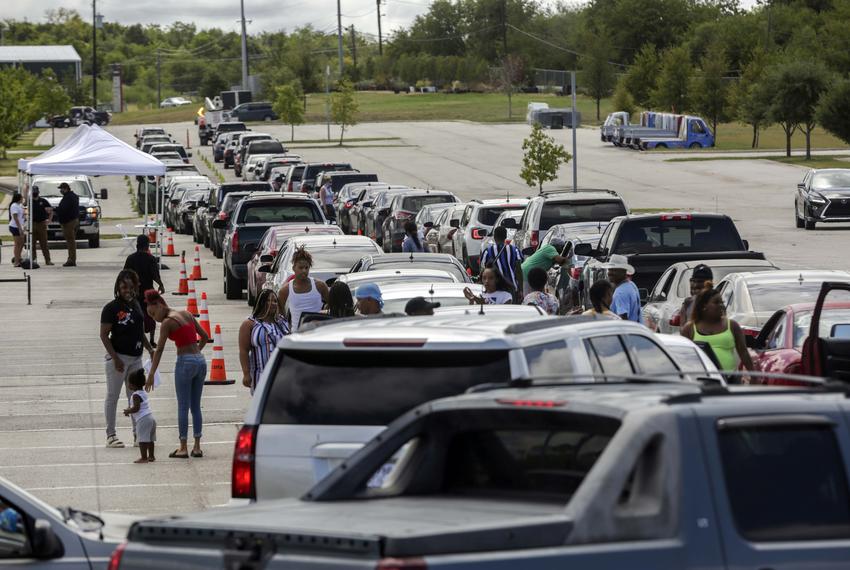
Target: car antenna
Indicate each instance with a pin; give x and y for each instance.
(306, 230)
(481, 309)
(800, 279)
(431, 291)
(411, 261)
(334, 243)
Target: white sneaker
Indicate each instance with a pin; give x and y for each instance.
(114, 442)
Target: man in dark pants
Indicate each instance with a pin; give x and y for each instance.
(147, 268)
(41, 214)
(68, 215)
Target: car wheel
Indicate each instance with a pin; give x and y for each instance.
(695, 145)
(232, 286)
(798, 221)
(661, 145)
(94, 241)
(267, 118)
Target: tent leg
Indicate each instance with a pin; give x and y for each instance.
(29, 289)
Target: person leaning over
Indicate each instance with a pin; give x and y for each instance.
(42, 213)
(546, 257)
(68, 216)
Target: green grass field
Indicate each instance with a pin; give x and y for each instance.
(821, 161)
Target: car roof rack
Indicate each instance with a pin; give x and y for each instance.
(579, 190)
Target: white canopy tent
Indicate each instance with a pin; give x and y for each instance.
(91, 151)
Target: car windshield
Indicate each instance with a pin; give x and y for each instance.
(195, 194)
(831, 179)
(770, 297)
(256, 187)
(450, 267)
(488, 215)
(554, 213)
(270, 213)
(328, 257)
(829, 318)
(50, 188)
(416, 203)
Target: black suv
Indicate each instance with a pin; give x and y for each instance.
(313, 169)
(215, 208)
(403, 209)
(255, 111)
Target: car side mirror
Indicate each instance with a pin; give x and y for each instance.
(428, 225)
(45, 544)
(509, 223)
(264, 268)
(266, 258)
(644, 295)
(801, 186)
(528, 251)
(104, 194)
(752, 342)
(746, 244)
(219, 224)
(454, 223)
(583, 249)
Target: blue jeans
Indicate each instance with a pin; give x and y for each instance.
(190, 371)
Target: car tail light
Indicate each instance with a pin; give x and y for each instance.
(401, 564)
(348, 205)
(243, 483)
(531, 403)
(676, 217)
(289, 186)
(676, 321)
(115, 559)
(750, 331)
(478, 234)
(575, 272)
(403, 215)
(535, 239)
(273, 252)
(234, 242)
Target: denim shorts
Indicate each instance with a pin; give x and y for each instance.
(14, 231)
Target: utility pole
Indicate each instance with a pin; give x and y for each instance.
(158, 77)
(505, 28)
(328, 99)
(353, 46)
(573, 120)
(94, 53)
(244, 47)
(339, 33)
(380, 40)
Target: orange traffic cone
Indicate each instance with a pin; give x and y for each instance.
(183, 287)
(192, 301)
(205, 315)
(169, 248)
(196, 269)
(218, 375)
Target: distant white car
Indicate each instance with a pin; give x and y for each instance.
(174, 102)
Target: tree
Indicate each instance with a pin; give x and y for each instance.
(796, 87)
(832, 110)
(52, 99)
(510, 75)
(289, 105)
(623, 100)
(674, 80)
(213, 83)
(709, 89)
(344, 107)
(641, 76)
(19, 108)
(596, 70)
(542, 158)
(751, 97)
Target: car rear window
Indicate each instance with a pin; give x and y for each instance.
(360, 387)
(325, 258)
(270, 213)
(341, 180)
(654, 235)
(718, 273)
(488, 215)
(554, 213)
(416, 203)
(266, 147)
(786, 482)
(770, 297)
(450, 267)
(258, 187)
(231, 201)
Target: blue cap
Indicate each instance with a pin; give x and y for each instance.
(370, 291)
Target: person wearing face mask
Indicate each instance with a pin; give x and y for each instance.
(258, 337)
(302, 294)
(122, 333)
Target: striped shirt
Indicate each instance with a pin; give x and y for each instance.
(505, 257)
(264, 339)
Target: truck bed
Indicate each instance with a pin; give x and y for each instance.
(650, 266)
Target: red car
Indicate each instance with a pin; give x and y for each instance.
(270, 244)
(779, 346)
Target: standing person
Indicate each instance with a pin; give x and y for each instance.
(412, 241)
(68, 215)
(302, 294)
(537, 279)
(506, 257)
(258, 337)
(369, 299)
(340, 301)
(140, 412)
(326, 197)
(626, 300)
(42, 213)
(16, 227)
(147, 268)
(701, 275)
(545, 258)
(190, 370)
(711, 325)
(601, 296)
(496, 289)
(123, 336)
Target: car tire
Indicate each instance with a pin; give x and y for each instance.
(695, 145)
(232, 286)
(94, 241)
(660, 145)
(267, 118)
(798, 221)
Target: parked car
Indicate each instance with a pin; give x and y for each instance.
(693, 133)
(200, 227)
(224, 139)
(223, 212)
(381, 277)
(230, 127)
(275, 161)
(36, 535)
(662, 310)
(332, 257)
(313, 169)
(234, 149)
(515, 215)
(171, 147)
(272, 242)
(292, 183)
(247, 225)
(184, 211)
(143, 132)
(563, 207)
(439, 237)
(476, 223)
(152, 140)
(363, 204)
(822, 196)
(441, 261)
(166, 155)
(402, 209)
(254, 162)
(428, 215)
(254, 111)
(376, 213)
(90, 211)
(174, 102)
(343, 202)
(215, 208)
(250, 146)
(752, 298)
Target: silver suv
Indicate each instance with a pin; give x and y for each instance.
(477, 222)
(564, 207)
(333, 386)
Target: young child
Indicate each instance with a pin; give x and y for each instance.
(143, 418)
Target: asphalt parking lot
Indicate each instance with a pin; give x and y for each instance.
(52, 379)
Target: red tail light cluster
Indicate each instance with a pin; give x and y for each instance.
(676, 217)
(234, 242)
(676, 321)
(402, 215)
(535, 239)
(348, 205)
(531, 403)
(478, 234)
(575, 272)
(115, 559)
(243, 482)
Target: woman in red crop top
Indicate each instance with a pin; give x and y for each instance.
(190, 370)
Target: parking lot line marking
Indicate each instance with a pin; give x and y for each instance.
(100, 412)
(130, 486)
(100, 428)
(88, 446)
(98, 400)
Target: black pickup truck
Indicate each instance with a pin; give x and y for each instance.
(249, 222)
(654, 242)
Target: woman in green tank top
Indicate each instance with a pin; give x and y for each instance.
(711, 325)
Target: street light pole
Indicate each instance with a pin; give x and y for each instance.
(94, 53)
(574, 121)
(244, 47)
(380, 39)
(339, 34)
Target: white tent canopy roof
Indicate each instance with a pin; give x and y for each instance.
(94, 152)
(23, 163)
